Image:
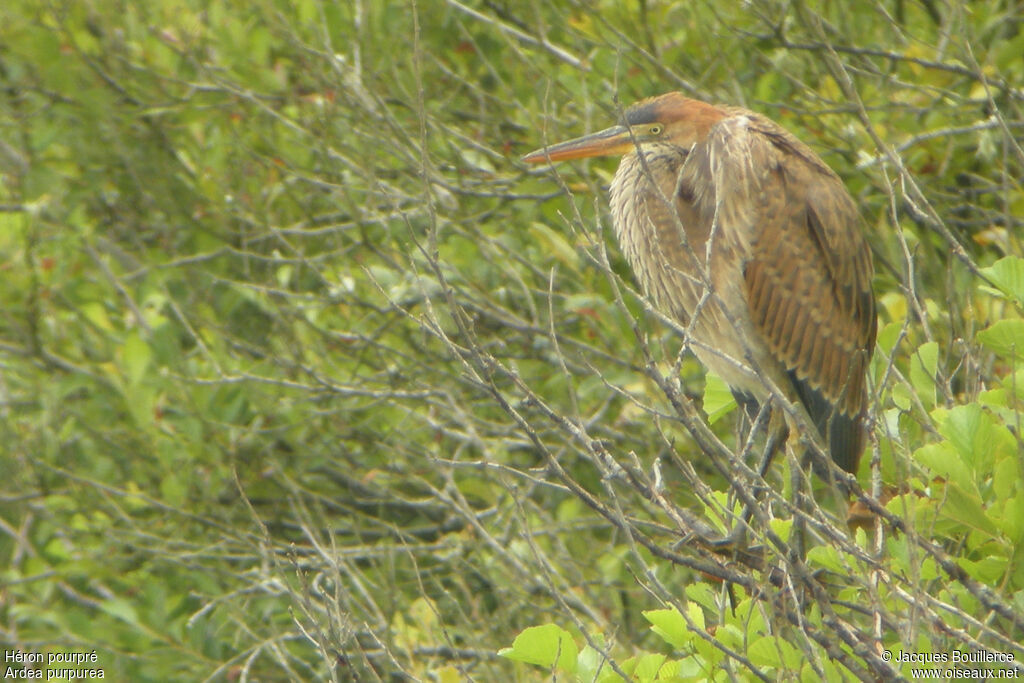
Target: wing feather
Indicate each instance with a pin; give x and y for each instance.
(787, 260)
(807, 276)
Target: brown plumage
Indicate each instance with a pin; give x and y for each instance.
(740, 232)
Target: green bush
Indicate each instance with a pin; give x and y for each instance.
(306, 377)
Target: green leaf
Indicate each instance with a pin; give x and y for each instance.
(648, 667)
(988, 570)
(906, 559)
(977, 436)
(1005, 337)
(718, 398)
(1008, 275)
(475, 160)
(781, 527)
(121, 609)
(924, 365)
(753, 619)
(764, 652)
(703, 594)
(889, 335)
(967, 508)
(141, 404)
(424, 613)
(1005, 477)
(943, 461)
(994, 398)
(826, 557)
(555, 244)
(173, 490)
(549, 646)
(731, 636)
(589, 663)
(135, 358)
(902, 397)
(670, 625)
(95, 313)
(1011, 521)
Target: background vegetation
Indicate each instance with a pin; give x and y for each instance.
(303, 375)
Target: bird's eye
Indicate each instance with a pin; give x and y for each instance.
(656, 129)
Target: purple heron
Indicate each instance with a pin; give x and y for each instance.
(742, 234)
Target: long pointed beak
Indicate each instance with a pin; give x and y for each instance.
(614, 141)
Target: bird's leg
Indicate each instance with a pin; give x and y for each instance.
(755, 417)
(776, 438)
(798, 530)
(750, 407)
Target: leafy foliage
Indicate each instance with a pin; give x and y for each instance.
(304, 376)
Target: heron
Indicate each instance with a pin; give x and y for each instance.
(738, 231)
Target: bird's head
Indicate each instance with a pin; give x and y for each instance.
(671, 119)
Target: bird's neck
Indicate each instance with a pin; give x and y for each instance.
(650, 175)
